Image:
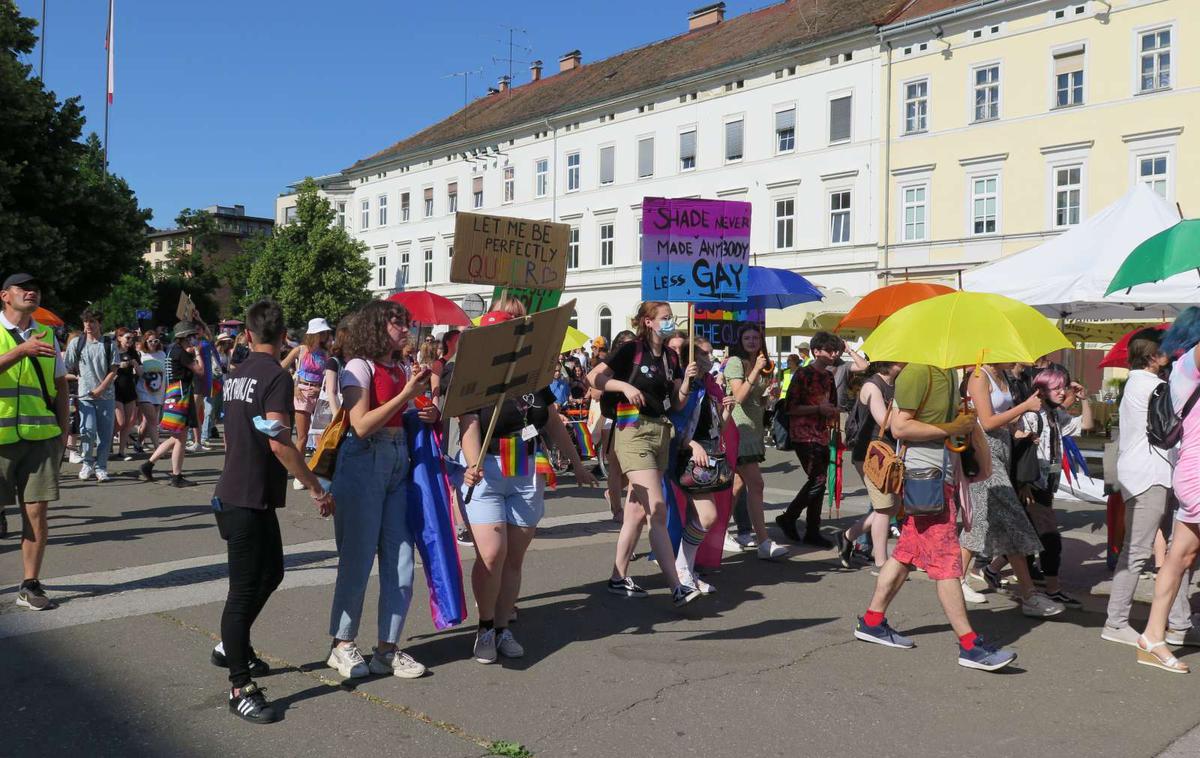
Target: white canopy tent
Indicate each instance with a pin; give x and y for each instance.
(1067, 276)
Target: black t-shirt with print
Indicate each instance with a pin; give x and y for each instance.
(178, 360)
(516, 413)
(654, 377)
(253, 477)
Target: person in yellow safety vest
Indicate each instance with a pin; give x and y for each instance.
(33, 425)
(793, 363)
(805, 354)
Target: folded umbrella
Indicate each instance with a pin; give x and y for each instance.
(427, 308)
(1172, 251)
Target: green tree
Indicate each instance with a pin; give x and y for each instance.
(310, 266)
(133, 292)
(63, 218)
(188, 267)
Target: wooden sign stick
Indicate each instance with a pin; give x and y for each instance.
(487, 437)
(691, 337)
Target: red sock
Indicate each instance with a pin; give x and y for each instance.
(968, 640)
(872, 618)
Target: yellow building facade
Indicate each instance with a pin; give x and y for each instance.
(1009, 122)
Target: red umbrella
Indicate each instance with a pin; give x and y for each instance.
(1118, 356)
(428, 308)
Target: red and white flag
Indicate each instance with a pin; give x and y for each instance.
(108, 45)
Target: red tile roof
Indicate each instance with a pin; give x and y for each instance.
(917, 8)
(742, 38)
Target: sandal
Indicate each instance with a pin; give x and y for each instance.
(1147, 656)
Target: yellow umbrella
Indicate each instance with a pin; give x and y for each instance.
(574, 338)
(963, 329)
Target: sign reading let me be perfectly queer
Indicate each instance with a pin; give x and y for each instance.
(695, 251)
(509, 252)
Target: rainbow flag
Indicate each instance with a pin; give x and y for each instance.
(514, 456)
(584, 442)
(627, 415)
(545, 469)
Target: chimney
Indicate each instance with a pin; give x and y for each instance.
(709, 15)
(570, 61)
(504, 82)
(535, 71)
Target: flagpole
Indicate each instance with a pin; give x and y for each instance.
(42, 65)
(108, 76)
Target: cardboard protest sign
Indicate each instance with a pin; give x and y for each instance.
(720, 325)
(535, 300)
(512, 357)
(186, 310)
(509, 252)
(695, 250)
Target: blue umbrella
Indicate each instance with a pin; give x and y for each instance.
(771, 288)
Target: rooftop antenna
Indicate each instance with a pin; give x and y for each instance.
(510, 60)
(466, 77)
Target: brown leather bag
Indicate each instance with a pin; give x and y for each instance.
(324, 458)
(884, 465)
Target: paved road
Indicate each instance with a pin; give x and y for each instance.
(767, 666)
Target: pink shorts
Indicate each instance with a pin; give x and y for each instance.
(931, 543)
(306, 397)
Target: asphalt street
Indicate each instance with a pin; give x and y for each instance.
(767, 666)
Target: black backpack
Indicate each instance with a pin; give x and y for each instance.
(1164, 427)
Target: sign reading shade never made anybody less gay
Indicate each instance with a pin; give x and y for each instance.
(695, 250)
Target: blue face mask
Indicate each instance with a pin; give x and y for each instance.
(666, 327)
(270, 428)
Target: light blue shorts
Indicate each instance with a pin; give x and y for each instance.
(498, 499)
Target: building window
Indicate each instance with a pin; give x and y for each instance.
(477, 191)
(915, 210)
(638, 243)
(573, 248)
(733, 140)
(289, 214)
(606, 244)
(606, 324)
(404, 207)
(1068, 79)
(382, 204)
(541, 177)
(916, 106)
(428, 202)
(608, 164)
(687, 150)
(572, 172)
(785, 223)
(983, 204)
(403, 269)
(839, 217)
(510, 184)
(381, 272)
(341, 215)
(365, 217)
(785, 130)
(840, 109)
(449, 252)
(1155, 60)
(645, 157)
(785, 344)
(1152, 169)
(158, 245)
(987, 93)
(429, 265)
(452, 197)
(1067, 189)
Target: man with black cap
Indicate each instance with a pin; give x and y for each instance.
(33, 420)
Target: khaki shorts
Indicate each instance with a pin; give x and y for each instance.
(880, 501)
(645, 446)
(29, 471)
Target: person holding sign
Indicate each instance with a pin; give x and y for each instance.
(642, 380)
(370, 488)
(507, 502)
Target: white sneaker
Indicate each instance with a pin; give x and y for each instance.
(731, 545)
(86, 472)
(485, 646)
(769, 551)
(1189, 637)
(972, 596)
(747, 541)
(297, 484)
(348, 662)
(507, 646)
(192, 447)
(1040, 606)
(395, 663)
(102, 475)
(74, 457)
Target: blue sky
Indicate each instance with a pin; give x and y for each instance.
(228, 102)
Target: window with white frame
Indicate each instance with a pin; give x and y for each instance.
(381, 271)
(785, 223)
(428, 265)
(733, 140)
(987, 92)
(404, 207)
(289, 214)
(608, 164)
(785, 130)
(450, 252)
(510, 183)
(984, 200)
(573, 248)
(1067, 194)
(645, 157)
(1068, 78)
(477, 191)
(916, 106)
(687, 150)
(381, 204)
(637, 225)
(364, 219)
(1154, 60)
(541, 177)
(915, 211)
(840, 112)
(452, 197)
(341, 214)
(1152, 170)
(572, 172)
(428, 202)
(605, 323)
(403, 269)
(607, 244)
(839, 217)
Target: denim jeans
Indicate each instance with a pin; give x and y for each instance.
(210, 418)
(369, 486)
(96, 430)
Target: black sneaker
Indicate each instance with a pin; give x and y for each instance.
(992, 578)
(32, 596)
(251, 704)
(788, 527)
(177, 480)
(258, 667)
(684, 594)
(845, 549)
(626, 587)
(147, 471)
(464, 536)
(1064, 599)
